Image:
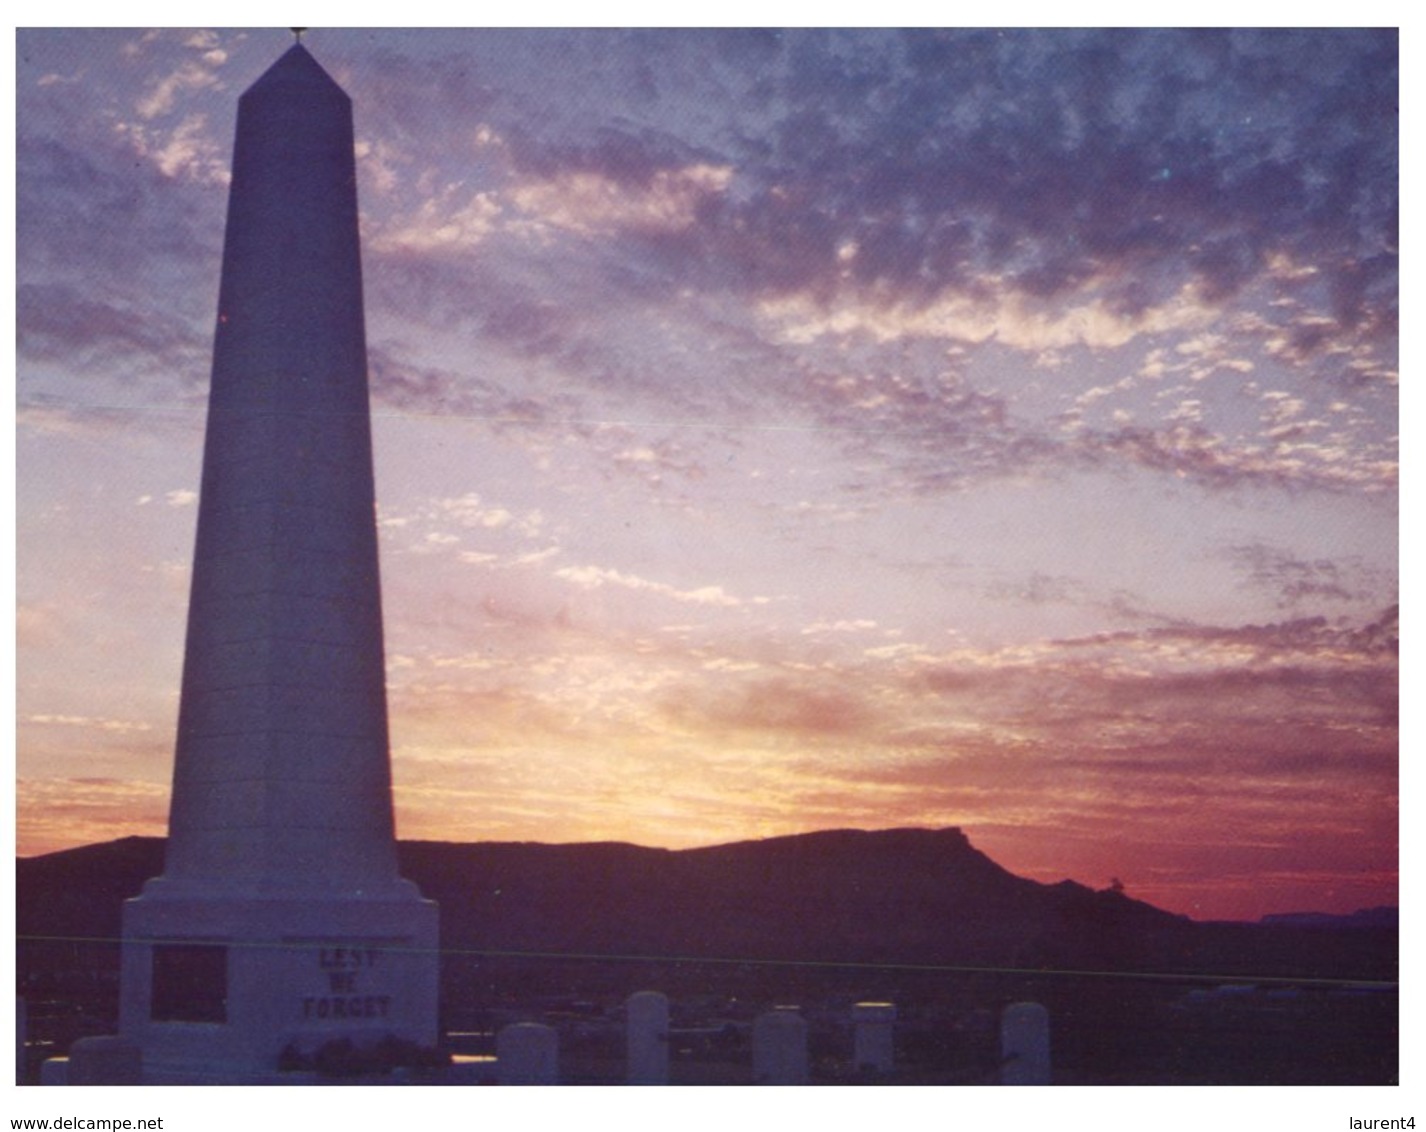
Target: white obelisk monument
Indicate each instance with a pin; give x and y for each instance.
(280, 922)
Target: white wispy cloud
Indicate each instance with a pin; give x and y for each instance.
(589, 202)
(593, 577)
(989, 310)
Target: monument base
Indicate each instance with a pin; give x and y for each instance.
(231, 989)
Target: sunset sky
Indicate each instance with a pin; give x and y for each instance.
(775, 432)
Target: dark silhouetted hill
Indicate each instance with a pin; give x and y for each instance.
(908, 896)
(1381, 917)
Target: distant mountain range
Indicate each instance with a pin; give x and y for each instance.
(1379, 917)
(913, 897)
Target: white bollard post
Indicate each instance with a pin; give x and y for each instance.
(1025, 1044)
(872, 1039)
(780, 1047)
(647, 1013)
(527, 1053)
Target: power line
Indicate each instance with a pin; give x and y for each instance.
(812, 964)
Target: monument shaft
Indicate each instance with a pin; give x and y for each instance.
(282, 764)
(280, 885)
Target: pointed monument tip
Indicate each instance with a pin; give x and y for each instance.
(293, 67)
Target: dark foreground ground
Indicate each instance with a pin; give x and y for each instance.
(1104, 1030)
(564, 934)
